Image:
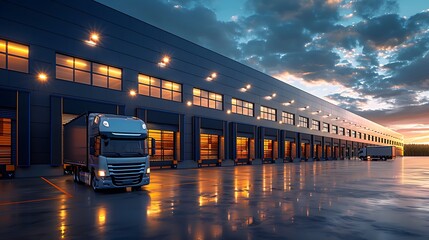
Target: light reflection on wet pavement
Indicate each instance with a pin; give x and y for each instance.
(320, 200)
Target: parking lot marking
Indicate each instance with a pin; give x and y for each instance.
(29, 201)
(58, 188)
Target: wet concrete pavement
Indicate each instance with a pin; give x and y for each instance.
(320, 200)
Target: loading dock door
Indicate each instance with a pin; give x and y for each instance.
(242, 148)
(164, 145)
(6, 141)
(209, 146)
(268, 149)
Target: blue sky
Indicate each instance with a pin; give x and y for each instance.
(367, 56)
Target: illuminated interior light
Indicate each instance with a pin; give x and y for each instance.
(189, 103)
(248, 86)
(42, 77)
(133, 93)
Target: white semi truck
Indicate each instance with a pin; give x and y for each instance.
(377, 153)
(107, 151)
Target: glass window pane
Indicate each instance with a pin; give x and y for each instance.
(144, 89)
(204, 94)
(218, 97)
(167, 94)
(2, 46)
(167, 85)
(234, 101)
(155, 92)
(82, 64)
(212, 104)
(64, 60)
(177, 87)
(219, 105)
(196, 92)
(177, 96)
(17, 49)
(204, 102)
(64, 73)
(82, 77)
(99, 80)
(17, 64)
(115, 72)
(155, 82)
(99, 68)
(115, 83)
(2, 60)
(196, 101)
(234, 109)
(144, 79)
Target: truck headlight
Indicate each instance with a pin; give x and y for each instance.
(101, 173)
(148, 170)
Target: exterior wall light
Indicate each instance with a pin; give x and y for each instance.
(164, 61)
(288, 103)
(248, 86)
(274, 95)
(280, 122)
(258, 117)
(133, 93)
(212, 76)
(268, 97)
(228, 112)
(42, 77)
(189, 103)
(243, 89)
(94, 39)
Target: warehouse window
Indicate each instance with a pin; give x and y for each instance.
(86, 72)
(325, 127)
(242, 107)
(353, 133)
(13, 56)
(334, 129)
(268, 113)
(288, 118)
(348, 133)
(303, 122)
(342, 131)
(158, 88)
(315, 125)
(207, 99)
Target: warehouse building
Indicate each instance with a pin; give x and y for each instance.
(59, 59)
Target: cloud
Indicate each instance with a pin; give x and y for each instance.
(370, 8)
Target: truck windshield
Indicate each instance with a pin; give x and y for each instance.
(124, 148)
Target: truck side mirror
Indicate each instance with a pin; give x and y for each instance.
(153, 148)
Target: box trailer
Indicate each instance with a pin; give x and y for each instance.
(107, 151)
(377, 153)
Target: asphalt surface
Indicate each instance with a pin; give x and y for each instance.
(321, 200)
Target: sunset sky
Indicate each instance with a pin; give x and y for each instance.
(367, 56)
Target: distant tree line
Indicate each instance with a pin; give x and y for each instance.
(416, 150)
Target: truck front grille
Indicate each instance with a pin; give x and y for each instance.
(126, 174)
